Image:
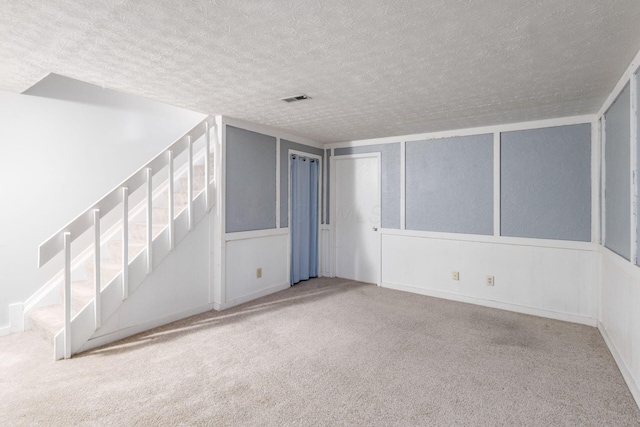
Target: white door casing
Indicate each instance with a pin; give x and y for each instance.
(356, 216)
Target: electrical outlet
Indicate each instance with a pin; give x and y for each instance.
(455, 275)
(259, 273)
(489, 280)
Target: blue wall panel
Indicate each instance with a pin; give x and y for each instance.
(250, 181)
(546, 183)
(449, 185)
(617, 176)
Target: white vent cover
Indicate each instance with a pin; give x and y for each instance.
(296, 98)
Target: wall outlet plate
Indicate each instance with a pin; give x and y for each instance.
(259, 273)
(489, 280)
(455, 275)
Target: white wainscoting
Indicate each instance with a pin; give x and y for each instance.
(619, 318)
(244, 256)
(325, 251)
(559, 283)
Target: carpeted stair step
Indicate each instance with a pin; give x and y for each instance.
(47, 321)
(115, 249)
(138, 230)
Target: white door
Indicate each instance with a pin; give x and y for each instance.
(357, 217)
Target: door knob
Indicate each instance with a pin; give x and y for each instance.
(375, 228)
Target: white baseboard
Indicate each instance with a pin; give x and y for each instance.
(624, 370)
(133, 330)
(5, 330)
(573, 318)
(16, 313)
(250, 297)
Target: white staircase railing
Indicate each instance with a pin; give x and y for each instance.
(143, 178)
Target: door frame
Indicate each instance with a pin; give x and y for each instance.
(332, 196)
(320, 177)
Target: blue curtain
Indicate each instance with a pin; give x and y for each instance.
(304, 218)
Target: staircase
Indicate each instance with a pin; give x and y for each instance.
(143, 218)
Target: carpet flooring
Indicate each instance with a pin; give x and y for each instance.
(327, 352)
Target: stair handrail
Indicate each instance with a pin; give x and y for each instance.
(76, 227)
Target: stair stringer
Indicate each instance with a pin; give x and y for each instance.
(84, 335)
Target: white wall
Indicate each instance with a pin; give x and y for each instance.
(245, 256)
(620, 315)
(554, 282)
(58, 158)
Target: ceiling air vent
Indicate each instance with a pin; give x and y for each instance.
(296, 98)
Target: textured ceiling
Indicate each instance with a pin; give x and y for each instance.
(373, 68)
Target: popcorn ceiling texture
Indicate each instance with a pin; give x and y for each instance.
(376, 68)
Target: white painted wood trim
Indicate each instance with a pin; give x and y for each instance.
(16, 318)
(66, 298)
(499, 240)
(331, 216)
(603, 181)
(190, 181)
(207, 167)
(403, 185)
(125, 243)
(278, 195)
(496, 184)
(222, 189)
(562, 121)
(595, 181)
(620, 262)
(5, 330)
(171, 194)
(624, 79)
(97, 268)
(255, 234)
(149, 220)
(624, 369)
(325, 179)
(567, 317)
(271, 131)
(633, 185)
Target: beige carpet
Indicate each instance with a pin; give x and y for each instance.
(327, 352)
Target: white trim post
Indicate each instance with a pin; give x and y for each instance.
(633, 108)
(125, 243)
(603, 180)
(67, 294)
(278, 195)
(97, 269)
(149, 177)
(190, 181)
(171, 197)
(403, 185)
(497, 144)
(207, 167)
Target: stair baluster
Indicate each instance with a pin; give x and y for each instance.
(172, 230)
(190, 181)
(67, 294)
(149, 176)
(125, 243)
(97, 269)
